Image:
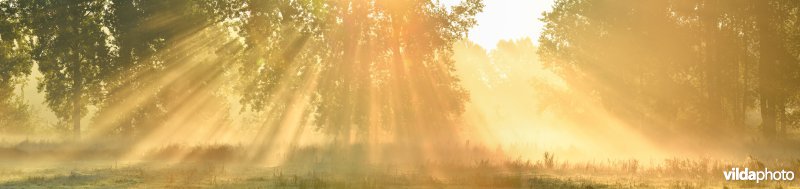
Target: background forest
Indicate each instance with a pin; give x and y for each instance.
(327, 89)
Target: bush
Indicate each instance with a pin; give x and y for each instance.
(549, 160)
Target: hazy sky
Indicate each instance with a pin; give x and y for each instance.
(507, 19)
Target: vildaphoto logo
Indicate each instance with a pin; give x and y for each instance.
(758, 176)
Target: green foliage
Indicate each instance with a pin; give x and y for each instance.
(350, 56)
(396, 69)
(70, 48)
(16, 117)
(154, 39)
(371, 62)
(671, 66)
(13, 49)
(15, 65)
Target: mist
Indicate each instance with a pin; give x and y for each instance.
(382, 94)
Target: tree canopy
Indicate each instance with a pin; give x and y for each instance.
(345, 66)
(15, 66)
(679, 65)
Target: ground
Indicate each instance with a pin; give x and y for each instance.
(219, 175)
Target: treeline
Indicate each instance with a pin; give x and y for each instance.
(704, 66)
(341, 65)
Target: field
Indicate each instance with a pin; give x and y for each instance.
(222, 166)
(399, 94)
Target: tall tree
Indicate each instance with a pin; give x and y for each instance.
(154, 38)
(370, 63)
(778, 66)
(15, 65)
(791, 40)
(70, 47)
(395, 70)
(670, 65)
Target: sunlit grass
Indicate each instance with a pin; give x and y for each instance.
(374, 94)
(315, 167)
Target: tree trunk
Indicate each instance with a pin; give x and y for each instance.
(77, 92)
(714, 103)
(767, 58)
(767, 115)
(744, 88)
(126, 17)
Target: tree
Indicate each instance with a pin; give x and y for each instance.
(158, 40)
(503, 82)
(395, 70)
(133, 57)
(779, 71)
(791, 36)
(14, 67)
(682, 66)
(361, 63)
(69, 47)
